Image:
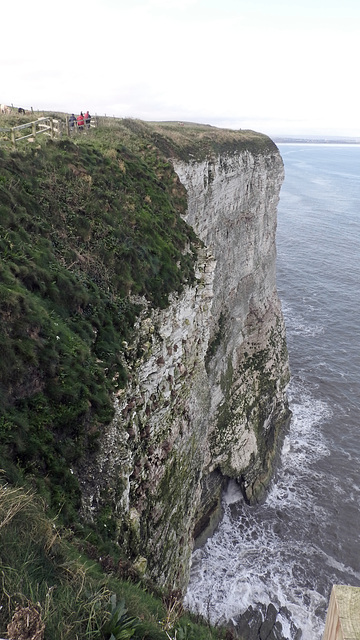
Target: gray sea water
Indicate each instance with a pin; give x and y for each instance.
(306, 536)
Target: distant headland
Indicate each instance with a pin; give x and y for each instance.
(316, 139)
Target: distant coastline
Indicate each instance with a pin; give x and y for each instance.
(316, 140)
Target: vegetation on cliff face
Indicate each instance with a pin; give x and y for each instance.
(87, 228)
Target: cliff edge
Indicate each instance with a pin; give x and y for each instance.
(206, 395)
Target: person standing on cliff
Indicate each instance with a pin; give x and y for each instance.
(87, 117)
(72, 121)
(80, 121)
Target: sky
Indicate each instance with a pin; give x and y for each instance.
(282, 67)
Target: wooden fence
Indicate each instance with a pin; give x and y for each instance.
(46, 125)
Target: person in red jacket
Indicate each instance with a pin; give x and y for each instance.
(87, 118)
(80, 121)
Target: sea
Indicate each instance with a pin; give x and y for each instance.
(305, 537)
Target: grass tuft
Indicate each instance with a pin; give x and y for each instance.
(48, 581)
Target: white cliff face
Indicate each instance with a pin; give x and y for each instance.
(232, 207)
(207, 376)
(152, 454)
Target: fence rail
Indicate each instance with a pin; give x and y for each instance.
(49, 126)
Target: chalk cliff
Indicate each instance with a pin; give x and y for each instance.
(205, 400)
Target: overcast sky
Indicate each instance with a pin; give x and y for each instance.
(276, 66)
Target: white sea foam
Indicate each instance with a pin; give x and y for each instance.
(233, 493)
(251, 558)
(297, 324)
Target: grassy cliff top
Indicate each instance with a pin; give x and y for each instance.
(183, 140)
(199, 141)
(190, 141)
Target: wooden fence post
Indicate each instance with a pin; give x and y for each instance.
(13, 137)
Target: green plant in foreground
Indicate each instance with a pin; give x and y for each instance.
(186, 631)
(44, 567)
(120, 626)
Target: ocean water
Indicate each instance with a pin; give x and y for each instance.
(305, 537)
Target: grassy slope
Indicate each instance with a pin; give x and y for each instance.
(87, 227)
(46, 571)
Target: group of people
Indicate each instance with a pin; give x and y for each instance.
(81, 121)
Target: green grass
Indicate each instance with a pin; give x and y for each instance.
(88, 230)
(42, 566)
(200, 142)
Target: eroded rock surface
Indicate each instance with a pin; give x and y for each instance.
(206, 395)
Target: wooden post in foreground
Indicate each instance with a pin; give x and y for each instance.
(343, 616)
